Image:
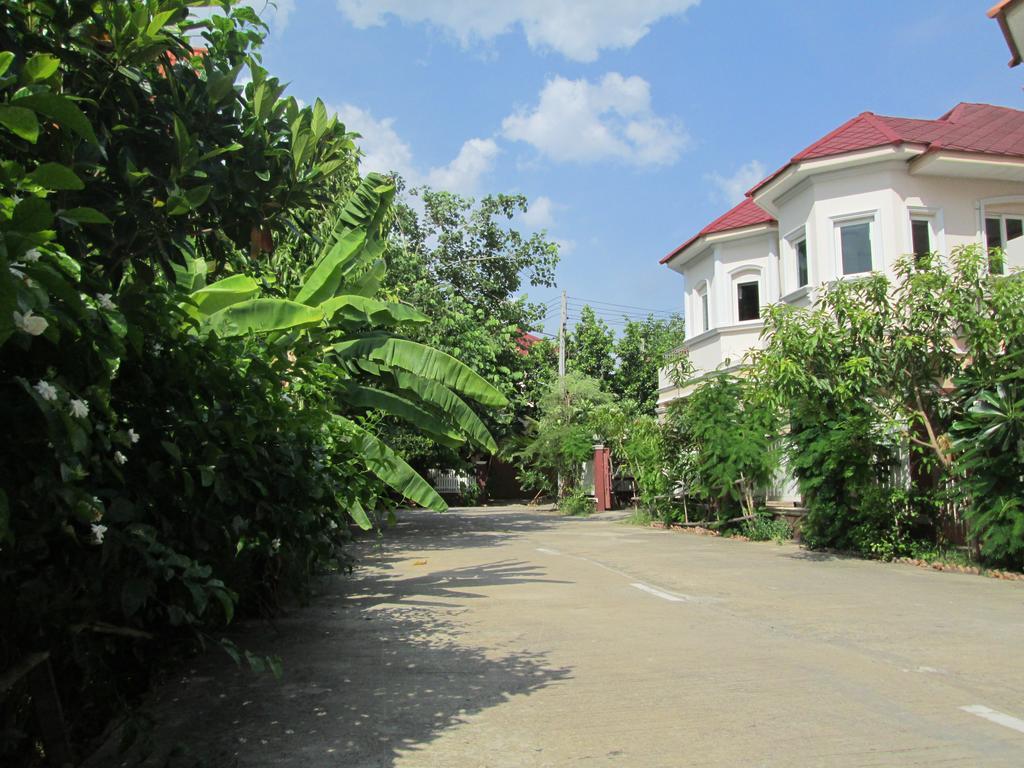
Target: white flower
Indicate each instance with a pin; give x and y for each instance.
(119, 457)
(275, 544)
(133, 436)
(105, 301)
(97, 533)
(157, 348)
(46, 390)
(29, 323)
(32, 256)
(79, 408)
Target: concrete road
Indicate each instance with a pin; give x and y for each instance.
(512, 637)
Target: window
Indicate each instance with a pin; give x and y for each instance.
(705, 313)
(748, 302)
(921, 237)
(999, 232)
(802, 275)
(855, 247)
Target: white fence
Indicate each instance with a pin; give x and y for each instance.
(449, 480)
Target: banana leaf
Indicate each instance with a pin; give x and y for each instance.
(424, 361)
(392, 470)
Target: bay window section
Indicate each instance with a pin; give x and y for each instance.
(855, 247)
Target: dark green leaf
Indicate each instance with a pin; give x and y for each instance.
(20, 121)
(56, 176)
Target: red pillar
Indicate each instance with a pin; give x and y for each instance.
(602, 478)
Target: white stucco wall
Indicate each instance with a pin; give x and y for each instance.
(886, 191)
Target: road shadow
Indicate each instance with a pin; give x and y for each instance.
(373, 670)
(820, 556)
(457, 528)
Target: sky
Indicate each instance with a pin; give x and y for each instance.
(628, 125)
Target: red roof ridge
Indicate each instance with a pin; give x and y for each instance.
(744, 214)
(831, 134)
(881, 125)
(971, 127)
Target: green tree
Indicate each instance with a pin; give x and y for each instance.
(644, 347)
(590, 348)
(730, 432)
(870, 370)
(463, 265)
(562, 436)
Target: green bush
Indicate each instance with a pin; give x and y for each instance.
(182, 441)
(723, 438)
(577, 502)
(766, 527)
(989, 439)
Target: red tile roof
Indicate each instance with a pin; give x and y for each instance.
(977, 128)
(746, 214)
(525, 340)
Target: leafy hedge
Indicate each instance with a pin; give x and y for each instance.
(189, 410)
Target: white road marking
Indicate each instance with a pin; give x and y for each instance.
(548, 551)
(995, 716)
(658, 593)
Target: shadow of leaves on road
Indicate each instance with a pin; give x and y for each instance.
(374, 669)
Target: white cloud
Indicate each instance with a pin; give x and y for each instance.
(565, 247)
(733, 188)
(386, 151)
(475, 158)
(578, 29)
(274, 12)
(580, 121)
(540, 214)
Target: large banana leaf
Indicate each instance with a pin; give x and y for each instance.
(224, 293)
(322, 281)
(261, 316)
(424, 361)
(396, 405)
(355, 311)
(386, 465)
(191, 275)
(453, 406)
(368, 204)
(368, 283)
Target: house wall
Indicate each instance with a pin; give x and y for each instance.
(886, 191)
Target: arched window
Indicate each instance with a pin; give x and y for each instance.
(747, 290)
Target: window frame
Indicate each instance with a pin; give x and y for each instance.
(1001, 217)
(756, 282)
(702, 311)
(792, 270)
(746, 273)
(936, 231)
(838, 222)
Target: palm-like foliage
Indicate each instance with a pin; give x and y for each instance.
(333, 313)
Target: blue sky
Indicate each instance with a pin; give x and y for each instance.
(631, 125)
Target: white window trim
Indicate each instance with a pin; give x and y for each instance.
(1002, 224)
(736, 276)
(791, 271)
(700, 293)
(936, 228)
(862, 217)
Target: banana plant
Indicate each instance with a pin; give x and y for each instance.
(334, 309)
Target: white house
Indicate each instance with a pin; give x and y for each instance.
(852, 202)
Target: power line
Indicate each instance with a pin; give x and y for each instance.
(593, 302)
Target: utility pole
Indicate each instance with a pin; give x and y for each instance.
(561, 339)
